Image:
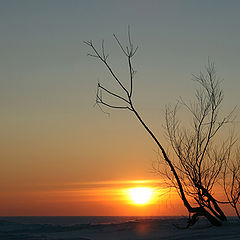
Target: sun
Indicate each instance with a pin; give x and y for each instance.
(140, 195)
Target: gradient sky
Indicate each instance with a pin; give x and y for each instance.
(53, 141)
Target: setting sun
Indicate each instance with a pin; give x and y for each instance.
(140, 195)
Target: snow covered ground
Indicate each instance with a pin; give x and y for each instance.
(149, 229)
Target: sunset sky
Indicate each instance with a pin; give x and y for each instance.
(59, 154)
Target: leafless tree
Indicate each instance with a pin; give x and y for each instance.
(231, 180)
(198, 161)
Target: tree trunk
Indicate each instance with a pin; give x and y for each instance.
(198, 211)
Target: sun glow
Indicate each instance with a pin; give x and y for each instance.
(140, 195)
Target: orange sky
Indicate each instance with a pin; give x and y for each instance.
(59, 155)
(103, 198)
(92, 198)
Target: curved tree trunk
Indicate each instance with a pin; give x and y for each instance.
(197, 211)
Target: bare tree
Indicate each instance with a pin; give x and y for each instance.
(195, 167)
(231, 180)
(200, 159)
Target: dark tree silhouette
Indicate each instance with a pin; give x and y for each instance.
(199, 165)
(231, 180)
(200, 160)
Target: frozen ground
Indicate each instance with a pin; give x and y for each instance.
(149, 229)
